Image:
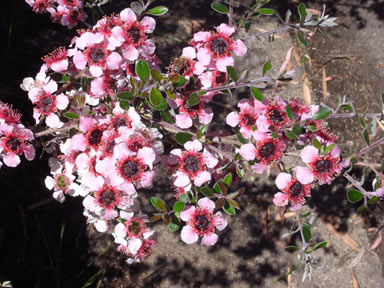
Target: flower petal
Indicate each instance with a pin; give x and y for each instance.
(206, 203)
(187, 213)
(188, 235)
(209, 240)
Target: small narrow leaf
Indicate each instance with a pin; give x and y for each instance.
(232, 73)
(317, 144)
(178, 206)
(124, 104)
(219, 203)
(329, 148)
(155, 218)
(297, 130)
(127, 96)
(366, 136)
(193, 99)
(158, 204)
(228, 208)
(155, 97)
(267, 66)
(158, 11)
(307, 233)
(322, 113)
(233, 203)
(220, 8)
(303, 12)
(292, 248)
(142, 70)
(257, 94)
(289, 134)
(228, 180)
(289, 112)
(182, 137)
(266, 11)
(207, 192)
(71, 115)
(301, 38)
(321, 245)
(184, 198)
(311, 128)
(354, 196)
(156, 75)
(241, 138)
(362, 122)
(166, 117)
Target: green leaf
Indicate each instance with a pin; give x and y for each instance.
(354, 196)
(362, 122)
(174, 78)
(322, 113)
(193, 99)
(233, 203)
(137, 7)
(373, 200)
(307, 233)
(181, 81)
(317, 144)
(228, 180)
(71, 115)
(64, 78)
(241, 138)
(155, 97)
(219, 203)
(124, 104)
(292, 248)
(275, 135)
(174, 224)
(171, 94)
(366, 136)
(267, 66)
(257, 94)
(329, 148)
(127, 96)
(156, 217)
(289, 112)
(158, 11)
(178, 206)
(182, 137)
(220, 8)
(305, 214)
(289, 134)
(303, 13)
(166, 117)
(321, 245)
(311, 128)
(228, 208)
(184, 198)
(142, 70)
(202, 130)
(207, 192)
(297, 130)
(266, 11)
(301, 38)
(156, 75)
(232, 73)
(158, 204)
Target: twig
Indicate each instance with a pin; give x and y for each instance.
(273, 31)
(54, 130)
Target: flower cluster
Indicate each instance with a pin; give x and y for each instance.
(66, 12)
(15, 139)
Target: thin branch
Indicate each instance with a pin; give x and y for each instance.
(238, 85)
(273, 31)
(54, 130)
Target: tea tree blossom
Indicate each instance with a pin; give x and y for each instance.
(201, 222)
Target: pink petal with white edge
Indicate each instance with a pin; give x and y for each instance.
(89, 203)
(309, 154)
(50, 87)
(146, 180)
(120, 230)
(128, 16)
(194, 145)
(131, 53)
(295, 207)
(97, 87)
(233, 119)
(181, 180)
(262, 124)
(53, 121)
(78, 142)
(183, 120)
(101, 226)
(189, 52)
(188, 235)
(205, 116)
(201, 36)
(260, 136)
(62, 101)
(175, 156)
(210, 160)
(304, 175)
(283, 180)
(117, 36)
(110, 214)
(240, 49)
(206, 78)
(148, 155)
(149, 24)
(49, 182)
(204, 56)
(96, 71)
(206, 203)
(224, 28)
(259, 168)
(246, 132)
(187, 213)
(223, 63)
(199, 69)
(60, 66)
(220, 221)
(114, 61)
(58, 196)
(29, 153)
(86, 123)
(248, 151)
(335, 152)
(209, 240)
(80, 60)
(280, 199)
(202, 178)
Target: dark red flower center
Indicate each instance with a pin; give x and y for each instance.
(134, 34)
(221, 78)
(134, 227)
(46, 104)
(95, 137)
(219, 45)
(296, 189)
(97, 54)
(276, 116)
(249, 120)
(267, 150)
(14, 144)
(146, 249)
(323, 166)
(131, 169)
(107, 198)
(135, 145)
(110, 146)
(191, 163)
(191, 109)
(202, 222)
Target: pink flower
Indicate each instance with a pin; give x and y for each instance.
(57, 60)
(294, 192)
(188, 113)
(192, 165)
(202, 223)
(322, 168)
(273, 117)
